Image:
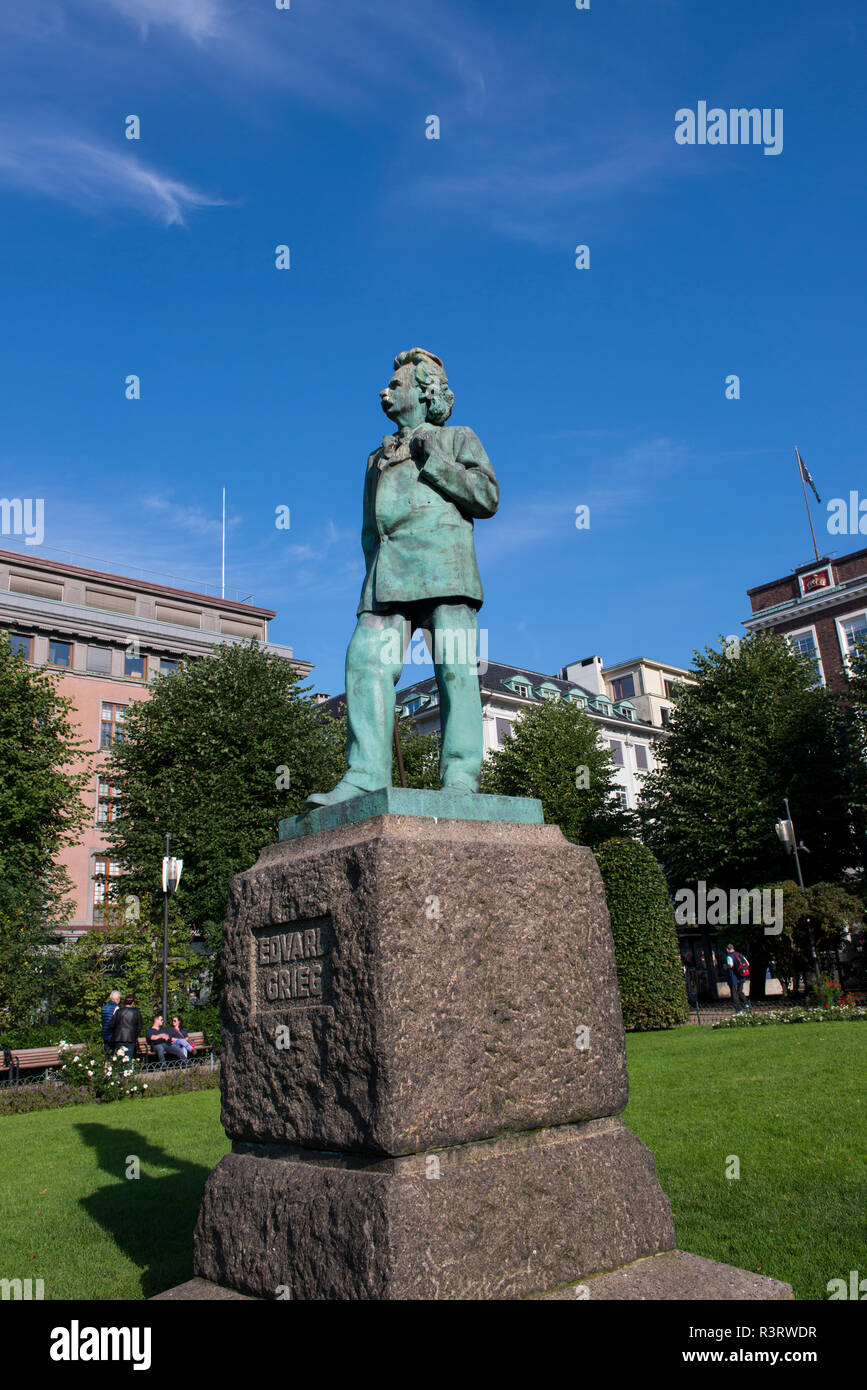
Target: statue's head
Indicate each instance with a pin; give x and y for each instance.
(419, 380)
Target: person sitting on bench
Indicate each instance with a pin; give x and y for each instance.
(160, 1042)
(180, 1037)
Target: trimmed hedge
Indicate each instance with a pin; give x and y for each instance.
(649, 969)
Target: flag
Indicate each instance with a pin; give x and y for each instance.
(805, 474)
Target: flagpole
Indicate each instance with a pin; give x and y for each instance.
(806, 503)
(223, 550)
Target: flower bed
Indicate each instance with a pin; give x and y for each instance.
(829, 1013)
(53, 1092)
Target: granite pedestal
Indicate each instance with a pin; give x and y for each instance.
(423, 1068)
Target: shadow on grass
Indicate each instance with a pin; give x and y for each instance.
(151, 1218)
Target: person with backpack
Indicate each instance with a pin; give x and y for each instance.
(737, 971)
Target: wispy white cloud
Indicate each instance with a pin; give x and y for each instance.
(335, 54)
(190, 519)
(195, 20)
(631, 478)
(94, 177)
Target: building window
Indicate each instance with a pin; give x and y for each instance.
(504, 730)
(107, 874)
(854, 630)
(59, 653)
(641, 757)
(19, 642)
(616, 750)
(805, 643)
(412, 705)
(624, 687)
(111, 724)
(669, 689)
(622, 798)
(524, 691)
(552, 695)
(168, 668)
(108, 803)
(99, 660)
(665, 715)
(133, 666)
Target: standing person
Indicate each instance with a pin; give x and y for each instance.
(737, 970)
(180, 1037)
(160, 1041)
(107, 1013)
(126, 1026)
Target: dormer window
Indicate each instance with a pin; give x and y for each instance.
(520, 687)
(547, 691)
(576, 698)
(625, 710)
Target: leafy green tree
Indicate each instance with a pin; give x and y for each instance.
(225, 749)
(43, 769)
(125, 955)
(555, 755)
(752, 730)
(823, 910)
(421, 756)
(646, 951)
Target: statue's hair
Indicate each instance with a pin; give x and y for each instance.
(431, 377)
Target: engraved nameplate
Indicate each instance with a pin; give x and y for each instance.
(291, 964)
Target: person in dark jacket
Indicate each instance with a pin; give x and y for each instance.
(126, 1026)
(160, 1041)
(108, 1011)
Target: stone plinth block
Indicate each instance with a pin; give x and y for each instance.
(509, 1218)
(400, 984)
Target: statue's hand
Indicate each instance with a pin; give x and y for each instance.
(421, 444)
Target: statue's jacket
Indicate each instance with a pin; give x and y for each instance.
(417, 534)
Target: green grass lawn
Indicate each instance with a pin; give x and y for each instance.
(788, 1101)
(70, 1216)
(785, 1100)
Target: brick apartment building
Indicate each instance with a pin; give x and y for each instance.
(821, 608)
(108, 636)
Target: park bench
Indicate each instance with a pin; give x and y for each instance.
(15, 1060)
(150, 1058)
(29, 1059)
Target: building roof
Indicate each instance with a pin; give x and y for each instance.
(494, 682)
(130, 582)
(807, 568)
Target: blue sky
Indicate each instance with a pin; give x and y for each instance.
(605, 387)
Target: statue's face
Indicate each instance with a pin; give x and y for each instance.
(402, 400)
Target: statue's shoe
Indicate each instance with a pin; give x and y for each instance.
(344, 791)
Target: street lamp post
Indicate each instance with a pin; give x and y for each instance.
(786, 832)
(171, 878)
